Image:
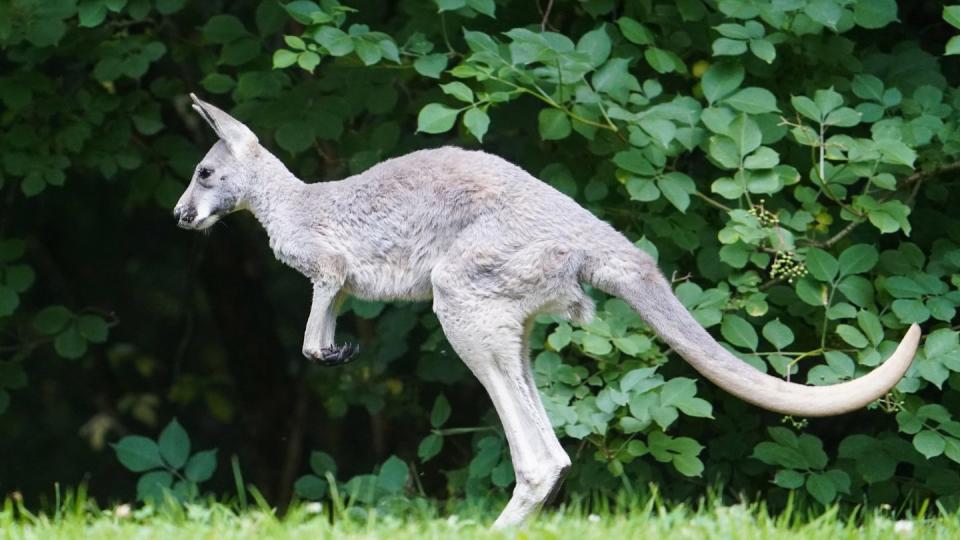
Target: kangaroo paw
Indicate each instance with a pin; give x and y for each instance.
(336, 355)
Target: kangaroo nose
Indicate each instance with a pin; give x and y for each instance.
(184, 215)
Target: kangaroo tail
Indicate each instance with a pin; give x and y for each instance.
(635, 278)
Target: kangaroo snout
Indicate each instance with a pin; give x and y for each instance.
(184, 216)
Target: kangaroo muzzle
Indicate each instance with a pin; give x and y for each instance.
(185, 216)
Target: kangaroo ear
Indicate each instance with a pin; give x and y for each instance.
(238, 137)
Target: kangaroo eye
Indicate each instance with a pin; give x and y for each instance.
(204, 173)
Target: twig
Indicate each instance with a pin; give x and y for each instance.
(546, 15)
(713, 202)
(916, 178)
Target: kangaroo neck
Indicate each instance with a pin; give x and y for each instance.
(276, 196)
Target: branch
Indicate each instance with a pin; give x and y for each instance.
(916, 178)
(546, 15)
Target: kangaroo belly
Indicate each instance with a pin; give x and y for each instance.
(384, 281)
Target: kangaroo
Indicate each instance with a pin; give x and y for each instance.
(492, 246)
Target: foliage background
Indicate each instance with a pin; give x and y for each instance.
(791, 161)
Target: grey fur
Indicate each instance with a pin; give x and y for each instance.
(492, 246)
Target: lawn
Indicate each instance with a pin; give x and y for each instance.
(402, 519)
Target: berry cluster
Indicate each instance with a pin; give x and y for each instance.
(786, 265)
(764, 216)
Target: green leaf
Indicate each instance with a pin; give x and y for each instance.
(393, 475)
(843, 117)
(369, 52)
(308, 60)
(871, 326)
(857, 259)
(778, 334)
(223, 29)
(174, 444)
(153, 485)
(9, 300)
(440, 411)
(431, 65)
(875, 13)
(311, 487)
(554, 124)
(201, 466)
(436, 118)
(953, 46)
(486, 7)
(753, 101)
(739, 332)
(677, 187)
(729, 47)
(788, 479)
(295, 136)
(634, 31)
(138, 454)
(951, 14)
(596, 345)
(721, 79)
(763, 50)
(660, 60)
(852, 336)
(825, 12)
(634, 161)
(334, 40)
(321, 463)
(4, 401)
(430, 446)
(821, 488)
(70, 344)
(596, 45)
(822, 265)
(458, 90)
(218, 83)
(827, 100)
(450, 5)
(477, 122)
(807, 108)
(168, 7)
(910, 311)
(52, 320)
(929, 443)
(746, 136)
(92, 328)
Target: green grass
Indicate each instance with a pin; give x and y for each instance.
(79, 518)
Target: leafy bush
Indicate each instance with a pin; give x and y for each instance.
(790, 165)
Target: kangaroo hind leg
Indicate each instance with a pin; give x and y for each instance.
(489, 338)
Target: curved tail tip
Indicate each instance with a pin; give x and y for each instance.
(908, 346)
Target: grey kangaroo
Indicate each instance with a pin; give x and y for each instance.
(492, 246)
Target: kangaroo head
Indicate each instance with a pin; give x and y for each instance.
(223, 177)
